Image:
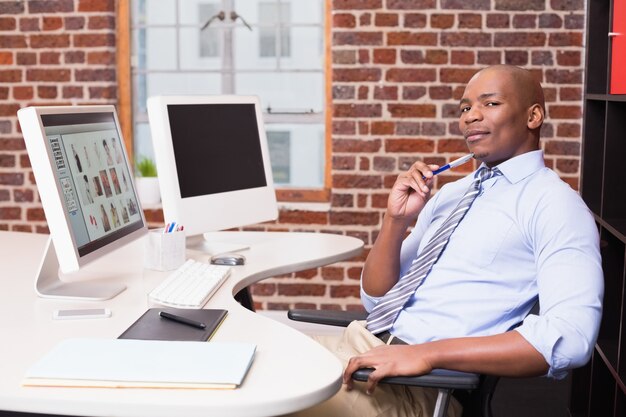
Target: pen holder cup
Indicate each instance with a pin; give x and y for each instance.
(164, 251)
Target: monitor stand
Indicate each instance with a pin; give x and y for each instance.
(48, 284)
(212, 247)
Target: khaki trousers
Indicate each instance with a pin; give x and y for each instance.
(386, 401)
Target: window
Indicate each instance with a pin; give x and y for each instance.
(270, 48)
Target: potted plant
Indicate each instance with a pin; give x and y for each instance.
(147, 182)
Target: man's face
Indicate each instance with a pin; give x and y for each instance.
(494, 118)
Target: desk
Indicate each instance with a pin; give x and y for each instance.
(273, 385)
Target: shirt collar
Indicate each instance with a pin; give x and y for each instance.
(521, 166)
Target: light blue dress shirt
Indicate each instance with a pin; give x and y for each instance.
(527, 234)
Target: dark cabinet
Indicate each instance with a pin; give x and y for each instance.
(598, 389)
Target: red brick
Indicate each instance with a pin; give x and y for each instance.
(23, 93)
(52, 23)
(356, 181)
(575, 21)
(7, 161)
(462, 58)
(384, 56)
(303, 217)
(48, 75)
(47, 91)
(570, 93)
(12, 7)
(23, 195)
(523, 5)
(409, 145)
(412, 56)
(263, 289)
(441, 21)
(96, 6)
(411, 75)
(363, 93)
(412, 110)
(568, 166)
(74, 57)
(5, 195)
(12, 41)
(568, 58)
(344, 57)
(384, 164)
(49, 41)
(451, 146)
(10, 76)
(74, 22)
(11, 178)
(568, 130)
(344, 20)
(332, 273)
(411, 4)
(10, 213)
(470, 21)
(413, 93)
(101, 22)
(49, 58)
(383, 128)
(365, 19)
(357, 4)
(525, 21)
(47, 6)
(302, 289)
(550, 21)
(457, 75)
(356, 74)
(555, 147)
(575, 5)
(7, 23)
(498, 20)
(95, 75)
(412, 38)
(364, 164)
(566, 39)
(342, 200)
(357, 110)
(519, 39)
(519, 58)
(356, 146)
(415, 20)
(344, 163)
(345, 291)
(489, 57)
(436, 57)
(357, 38)
(109, 92)
(29, 24)
(354, 217)
(466, 4)
(565, 76)
(9, 110)
(26, 58)
(385, 93)
(471, 39)
(386, 19)
(72, 91)
(542, 58)
(93, 40)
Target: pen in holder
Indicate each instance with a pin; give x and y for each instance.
(164, 251)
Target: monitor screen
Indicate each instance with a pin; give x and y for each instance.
(213, 161)
(87, 192)
(91, 168)
(225, 143)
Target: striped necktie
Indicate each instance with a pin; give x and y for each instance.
(385, 312)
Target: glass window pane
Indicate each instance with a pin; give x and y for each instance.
(274, 30)
(209, 37)
(142, 142)
(154, 12)
(307, 51)
(182, 83)
(304, 144)
(155, 48)
(282, 91)
(200, 50)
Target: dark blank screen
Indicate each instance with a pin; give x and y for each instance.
(216, 147)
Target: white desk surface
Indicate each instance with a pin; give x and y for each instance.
(290, 371)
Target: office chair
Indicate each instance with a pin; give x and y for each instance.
(473, 391)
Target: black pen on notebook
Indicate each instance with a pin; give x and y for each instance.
(453, 164)
(182, 320)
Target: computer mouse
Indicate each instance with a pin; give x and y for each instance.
(228, 259)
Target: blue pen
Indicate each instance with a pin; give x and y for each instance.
(171, 227)
(453, 164)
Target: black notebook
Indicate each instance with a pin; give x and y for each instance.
(151, 326)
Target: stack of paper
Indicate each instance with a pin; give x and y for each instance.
(128, 363)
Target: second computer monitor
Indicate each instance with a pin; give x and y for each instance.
(213, 161)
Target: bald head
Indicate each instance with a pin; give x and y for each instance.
(526, 87)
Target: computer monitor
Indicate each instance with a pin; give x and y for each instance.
(87, 192)
(213, 162)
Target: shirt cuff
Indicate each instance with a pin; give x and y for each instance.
(545, 338)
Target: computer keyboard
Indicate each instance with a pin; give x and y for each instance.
(191, 285)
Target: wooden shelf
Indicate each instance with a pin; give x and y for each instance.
(598, 389)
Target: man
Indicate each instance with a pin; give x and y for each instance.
(526, 234)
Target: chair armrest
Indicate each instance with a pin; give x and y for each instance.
(328, 317)
(438, 378)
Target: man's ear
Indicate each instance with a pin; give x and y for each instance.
(536, 114)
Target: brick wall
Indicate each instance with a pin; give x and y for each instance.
(399, 67)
